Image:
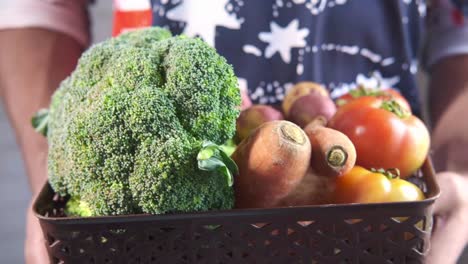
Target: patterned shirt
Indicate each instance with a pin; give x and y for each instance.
(273, 44)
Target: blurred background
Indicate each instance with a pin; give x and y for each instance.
(14, 192)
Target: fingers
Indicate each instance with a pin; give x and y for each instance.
(34, 248)
(450, 233)
(453, 195)
(445, 182)
(448, 240)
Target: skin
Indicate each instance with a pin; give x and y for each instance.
(46, 58)
(57, 55)
(448, 100)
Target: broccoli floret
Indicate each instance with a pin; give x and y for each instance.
(142, 38)
(173, 182)
(125, 128)
(206, 87)
(76, 207)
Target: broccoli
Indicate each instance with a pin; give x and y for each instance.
(125, 128)
(77, 207)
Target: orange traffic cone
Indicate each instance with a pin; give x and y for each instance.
(131, 14)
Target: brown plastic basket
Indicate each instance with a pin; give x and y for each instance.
(356, 233)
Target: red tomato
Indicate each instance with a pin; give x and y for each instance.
(386, 94)
(384, 134)
(363, 186)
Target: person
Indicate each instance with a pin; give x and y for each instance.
(271, 44)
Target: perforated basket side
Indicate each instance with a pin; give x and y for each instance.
(358, 233)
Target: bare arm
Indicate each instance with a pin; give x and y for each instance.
(32, 64)
(449, 114)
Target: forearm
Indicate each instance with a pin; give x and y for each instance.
(449, 110)
(448, 240)
(33, 62)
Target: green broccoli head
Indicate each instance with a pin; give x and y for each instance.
(125, 128)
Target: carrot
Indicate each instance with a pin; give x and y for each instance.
(272, 161)
(333, 153)
(252, 117)
(314, 189)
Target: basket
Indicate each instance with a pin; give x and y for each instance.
(355, 233)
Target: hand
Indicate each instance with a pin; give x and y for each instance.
(450, 234)
(34, 249)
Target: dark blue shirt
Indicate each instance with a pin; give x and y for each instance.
(273, 44)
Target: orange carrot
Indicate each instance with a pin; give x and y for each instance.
(314, 189)
(333, 153)
(272, 161)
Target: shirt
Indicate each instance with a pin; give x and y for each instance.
(274, 43)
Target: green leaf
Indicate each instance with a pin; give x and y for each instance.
(212, 158)
(230, 164)
(229, 147)
(205, 154)
(208, 144)
(211, 164)
(230, 179)
(40, 121)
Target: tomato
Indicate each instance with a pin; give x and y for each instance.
(384, 134)
(386, 94)
(360, 185)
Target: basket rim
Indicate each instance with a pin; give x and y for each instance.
(352, 208)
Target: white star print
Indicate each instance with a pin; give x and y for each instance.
(375, 81)
(282, 40)
(202, 18)
(242, 84)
